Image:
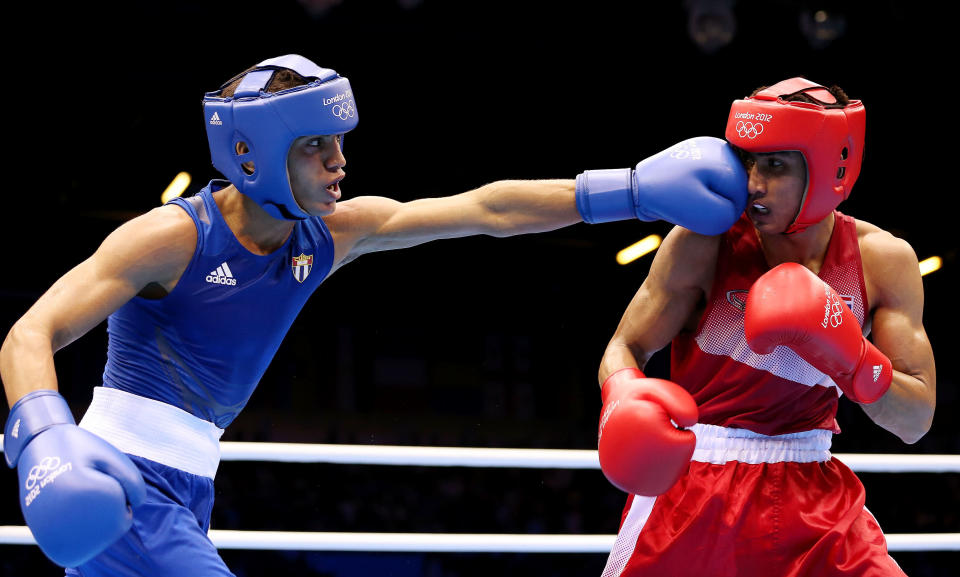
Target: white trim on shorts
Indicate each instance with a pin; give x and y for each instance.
(719, 445)
(627, 536)
(154, 430)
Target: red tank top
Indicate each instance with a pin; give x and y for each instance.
(771, 394)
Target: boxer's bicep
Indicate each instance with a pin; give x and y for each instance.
(891, 268)
(153, 248)
(898, 313)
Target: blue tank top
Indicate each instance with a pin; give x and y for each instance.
(204, 346)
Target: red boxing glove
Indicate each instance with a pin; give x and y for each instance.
(641, 451)
(791, 306)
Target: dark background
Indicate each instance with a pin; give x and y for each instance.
(470, 342)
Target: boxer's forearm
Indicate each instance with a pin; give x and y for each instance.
(618, 356)
(906, 409)
(526, 206)
(26, 363)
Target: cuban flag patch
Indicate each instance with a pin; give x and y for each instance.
(302, 265)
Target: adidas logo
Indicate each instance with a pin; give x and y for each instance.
(738, 298)
(877, 369)
(222, 275)
(16, 429)
(215, 119)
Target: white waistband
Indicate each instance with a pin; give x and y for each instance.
(154, 430)
(718, 445)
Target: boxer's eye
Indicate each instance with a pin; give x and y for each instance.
(773, 164)
(322, 141)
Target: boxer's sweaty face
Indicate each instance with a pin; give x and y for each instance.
(315, 169)
(776, 184)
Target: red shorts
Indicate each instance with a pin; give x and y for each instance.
(754, 505)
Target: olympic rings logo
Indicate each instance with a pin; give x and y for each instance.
(749, 129)
(38, 472)
(836, 314)
(686, 150)
(344, 111)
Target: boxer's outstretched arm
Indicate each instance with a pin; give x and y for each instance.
(370, 224)
(699, 184)
(907, 408)
(679, 279)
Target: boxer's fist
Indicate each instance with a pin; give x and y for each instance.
(640, 449)
(76, 490)
(791, 306)
(699, 184)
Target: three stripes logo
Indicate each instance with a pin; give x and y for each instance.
(738, 298)
(215, 119)
(877, 370)
(222, 275)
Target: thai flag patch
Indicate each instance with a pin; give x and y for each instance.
(302, 265)
(848, 299)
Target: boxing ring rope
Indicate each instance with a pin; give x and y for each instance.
(490, 458)
(522, 458)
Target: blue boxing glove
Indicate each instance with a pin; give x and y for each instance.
(699, 184)
(76, 490)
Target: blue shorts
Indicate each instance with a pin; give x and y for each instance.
(169, 533)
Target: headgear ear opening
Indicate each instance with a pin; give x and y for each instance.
(249, 167)
(267, 123)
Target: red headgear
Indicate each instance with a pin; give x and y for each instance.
(830, 139)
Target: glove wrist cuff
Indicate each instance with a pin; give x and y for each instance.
(34, 413)
(873, 375)
(618, 376)
(605, 195)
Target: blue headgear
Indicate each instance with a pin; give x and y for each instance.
(268, 123)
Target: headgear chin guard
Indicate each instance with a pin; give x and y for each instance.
(830, 139)
(268, 123)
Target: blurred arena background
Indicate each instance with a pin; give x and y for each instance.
(477, 342)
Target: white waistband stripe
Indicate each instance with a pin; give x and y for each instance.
(154, 430)
(719, 445)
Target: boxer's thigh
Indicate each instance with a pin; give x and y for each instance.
(169, 533)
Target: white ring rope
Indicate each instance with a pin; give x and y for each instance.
(482, 457)
(520, 458)
(458, 543)
(409, 456)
